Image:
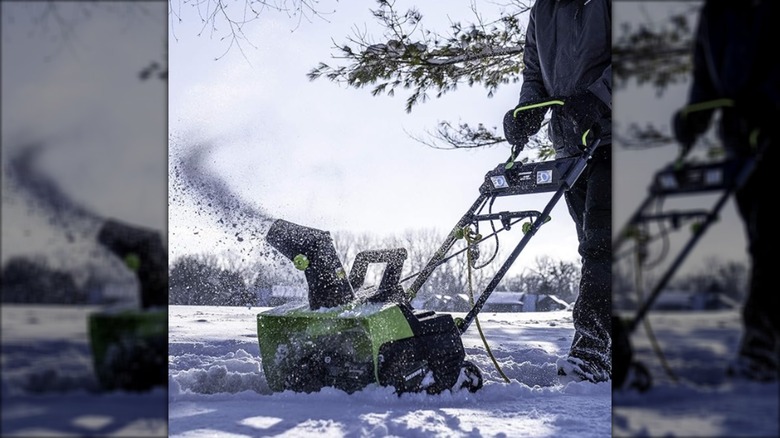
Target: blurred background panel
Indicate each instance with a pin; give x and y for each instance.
(688, 338)
(84, 218)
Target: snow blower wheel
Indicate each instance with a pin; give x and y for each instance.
(472, 377)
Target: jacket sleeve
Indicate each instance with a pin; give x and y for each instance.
(702, 86)
(532, 89)
(602, 88)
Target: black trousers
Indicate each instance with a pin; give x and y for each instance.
(761, 311)
(590, 205)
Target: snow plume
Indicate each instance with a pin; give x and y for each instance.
(227, 223)
(45, 194)
(57, 226)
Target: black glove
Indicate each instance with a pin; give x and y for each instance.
(584, 109)
(687, 126)
(518, 128)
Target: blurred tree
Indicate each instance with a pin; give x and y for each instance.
(226, 20)
(201, 281)
(408, 56)
(656, 52)
(32, 280)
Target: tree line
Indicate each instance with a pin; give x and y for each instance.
(209, 279)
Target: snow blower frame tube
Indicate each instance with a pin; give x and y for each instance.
(677, 179)
(349, 336)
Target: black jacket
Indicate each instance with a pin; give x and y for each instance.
(567, 50)
(735, 57)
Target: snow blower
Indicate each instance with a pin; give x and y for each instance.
(350, 335)
(653, 221)
(130, 345)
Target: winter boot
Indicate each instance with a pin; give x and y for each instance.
(574, 369)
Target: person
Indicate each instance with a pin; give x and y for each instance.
(734, 63)
(567, 56)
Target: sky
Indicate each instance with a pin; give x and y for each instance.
(320, 154)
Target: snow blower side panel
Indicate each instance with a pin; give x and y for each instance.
(304, 350)
(429, 361)
(130, 349)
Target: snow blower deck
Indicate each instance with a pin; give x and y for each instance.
(652, 223)
(350, 336)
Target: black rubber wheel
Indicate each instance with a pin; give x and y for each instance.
(473, 381)
(640, 377)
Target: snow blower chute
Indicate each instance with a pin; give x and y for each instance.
(350, 335)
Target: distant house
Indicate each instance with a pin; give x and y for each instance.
(446, 303)
(281, 294)
(501, 301)
(543, 303)
(673, 299)
(108, 292)
(508, 301)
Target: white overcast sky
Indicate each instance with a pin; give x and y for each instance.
(326, 156)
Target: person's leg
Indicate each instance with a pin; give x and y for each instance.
(590, 205)
(759, 349)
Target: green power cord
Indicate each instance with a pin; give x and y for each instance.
(472, 237)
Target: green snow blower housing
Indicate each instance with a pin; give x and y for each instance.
(341, 341)
(130, 348)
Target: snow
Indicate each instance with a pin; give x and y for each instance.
(48, 385)
(217, 386)
(702, 402)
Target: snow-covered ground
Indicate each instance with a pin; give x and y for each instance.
(217, 387)
(48, 384)
(693, 398)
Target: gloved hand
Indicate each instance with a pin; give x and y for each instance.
(687, 126)
(584, 109)
(518, 128)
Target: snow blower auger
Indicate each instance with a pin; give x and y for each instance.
(130, 345)
(684, 179)
(350, 335)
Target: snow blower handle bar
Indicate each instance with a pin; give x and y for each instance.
(569, 179)
(535, 106)
(685, 112)
(741, 177)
